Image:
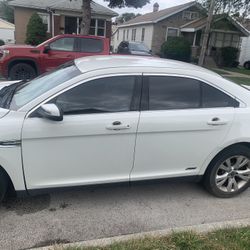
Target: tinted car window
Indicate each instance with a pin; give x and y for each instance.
(63, 44)
(184, 93)
(212, 98)
(112, 94)
(173, 93)
(89, 45)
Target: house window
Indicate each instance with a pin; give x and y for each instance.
(236, 41)
(117, 37)
(190, 15)
(46, 20)
(124, 35)
(127, 35)
(143, 34)
(133, 35)
(172, 32)
(97, 27)
(226, 40)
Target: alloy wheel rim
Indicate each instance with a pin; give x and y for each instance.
(233, 174)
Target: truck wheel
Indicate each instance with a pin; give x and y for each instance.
(3, 185)
(22, 71)
(247, 65)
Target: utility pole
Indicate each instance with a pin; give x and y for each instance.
(206, 34)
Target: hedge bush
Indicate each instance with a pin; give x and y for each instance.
(36, 30)
(177, 48)
(229, 56)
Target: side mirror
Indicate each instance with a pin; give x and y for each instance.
(49, 111)
(46, 49)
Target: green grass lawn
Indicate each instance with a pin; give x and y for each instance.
(240, 70)
(218, 71)
(240, 80)
(227, 239)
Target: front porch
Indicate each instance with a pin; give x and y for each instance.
(225, 32)
(68, 24)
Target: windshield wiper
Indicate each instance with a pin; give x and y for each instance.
(6, 94)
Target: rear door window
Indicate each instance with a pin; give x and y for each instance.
(90, 45)
(170, 92)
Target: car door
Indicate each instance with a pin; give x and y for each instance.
(95, 141)
(183, 121)
(61, 51)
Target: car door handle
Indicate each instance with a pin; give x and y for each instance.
(217, 122)
(118, 126)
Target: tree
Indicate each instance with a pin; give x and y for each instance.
(6, 12)
(125, 17)
(86, 10)
(235, 8)
(36, 30)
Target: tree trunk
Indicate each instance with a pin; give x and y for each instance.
(86, 17)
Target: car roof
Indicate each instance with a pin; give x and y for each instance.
(94, 63)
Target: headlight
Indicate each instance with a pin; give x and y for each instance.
(4, 53)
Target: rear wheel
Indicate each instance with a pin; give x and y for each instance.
(229, 173)
(22, 71)
(247, 65)
(3, 185)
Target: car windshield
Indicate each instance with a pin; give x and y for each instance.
(32, 89)
(138, 47)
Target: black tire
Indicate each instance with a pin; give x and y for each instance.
(247, 65)
(3, 185)
(214, 167)
(22, 71)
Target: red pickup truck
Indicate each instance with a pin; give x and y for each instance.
(22, 62)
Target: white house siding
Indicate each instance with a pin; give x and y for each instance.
(121, 35)
(245, 50)
(7, 35)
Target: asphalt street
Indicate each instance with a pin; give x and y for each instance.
(103, 212)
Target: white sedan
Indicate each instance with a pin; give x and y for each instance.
(113, 119)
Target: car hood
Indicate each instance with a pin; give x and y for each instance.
(13, 46)
(3, 112)
(7, 83)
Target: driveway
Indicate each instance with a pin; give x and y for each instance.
(110, 211)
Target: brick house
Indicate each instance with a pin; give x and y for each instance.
(61, 17)
(187, 20)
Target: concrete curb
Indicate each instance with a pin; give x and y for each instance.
(204, 228)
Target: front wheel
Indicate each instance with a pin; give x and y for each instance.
(229, 173)
(22, 71)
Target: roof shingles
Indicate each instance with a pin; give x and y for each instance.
(155, 16)
(74, 6)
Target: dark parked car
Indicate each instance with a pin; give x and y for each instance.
(133, 48)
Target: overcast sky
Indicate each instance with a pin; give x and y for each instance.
(149, 7)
